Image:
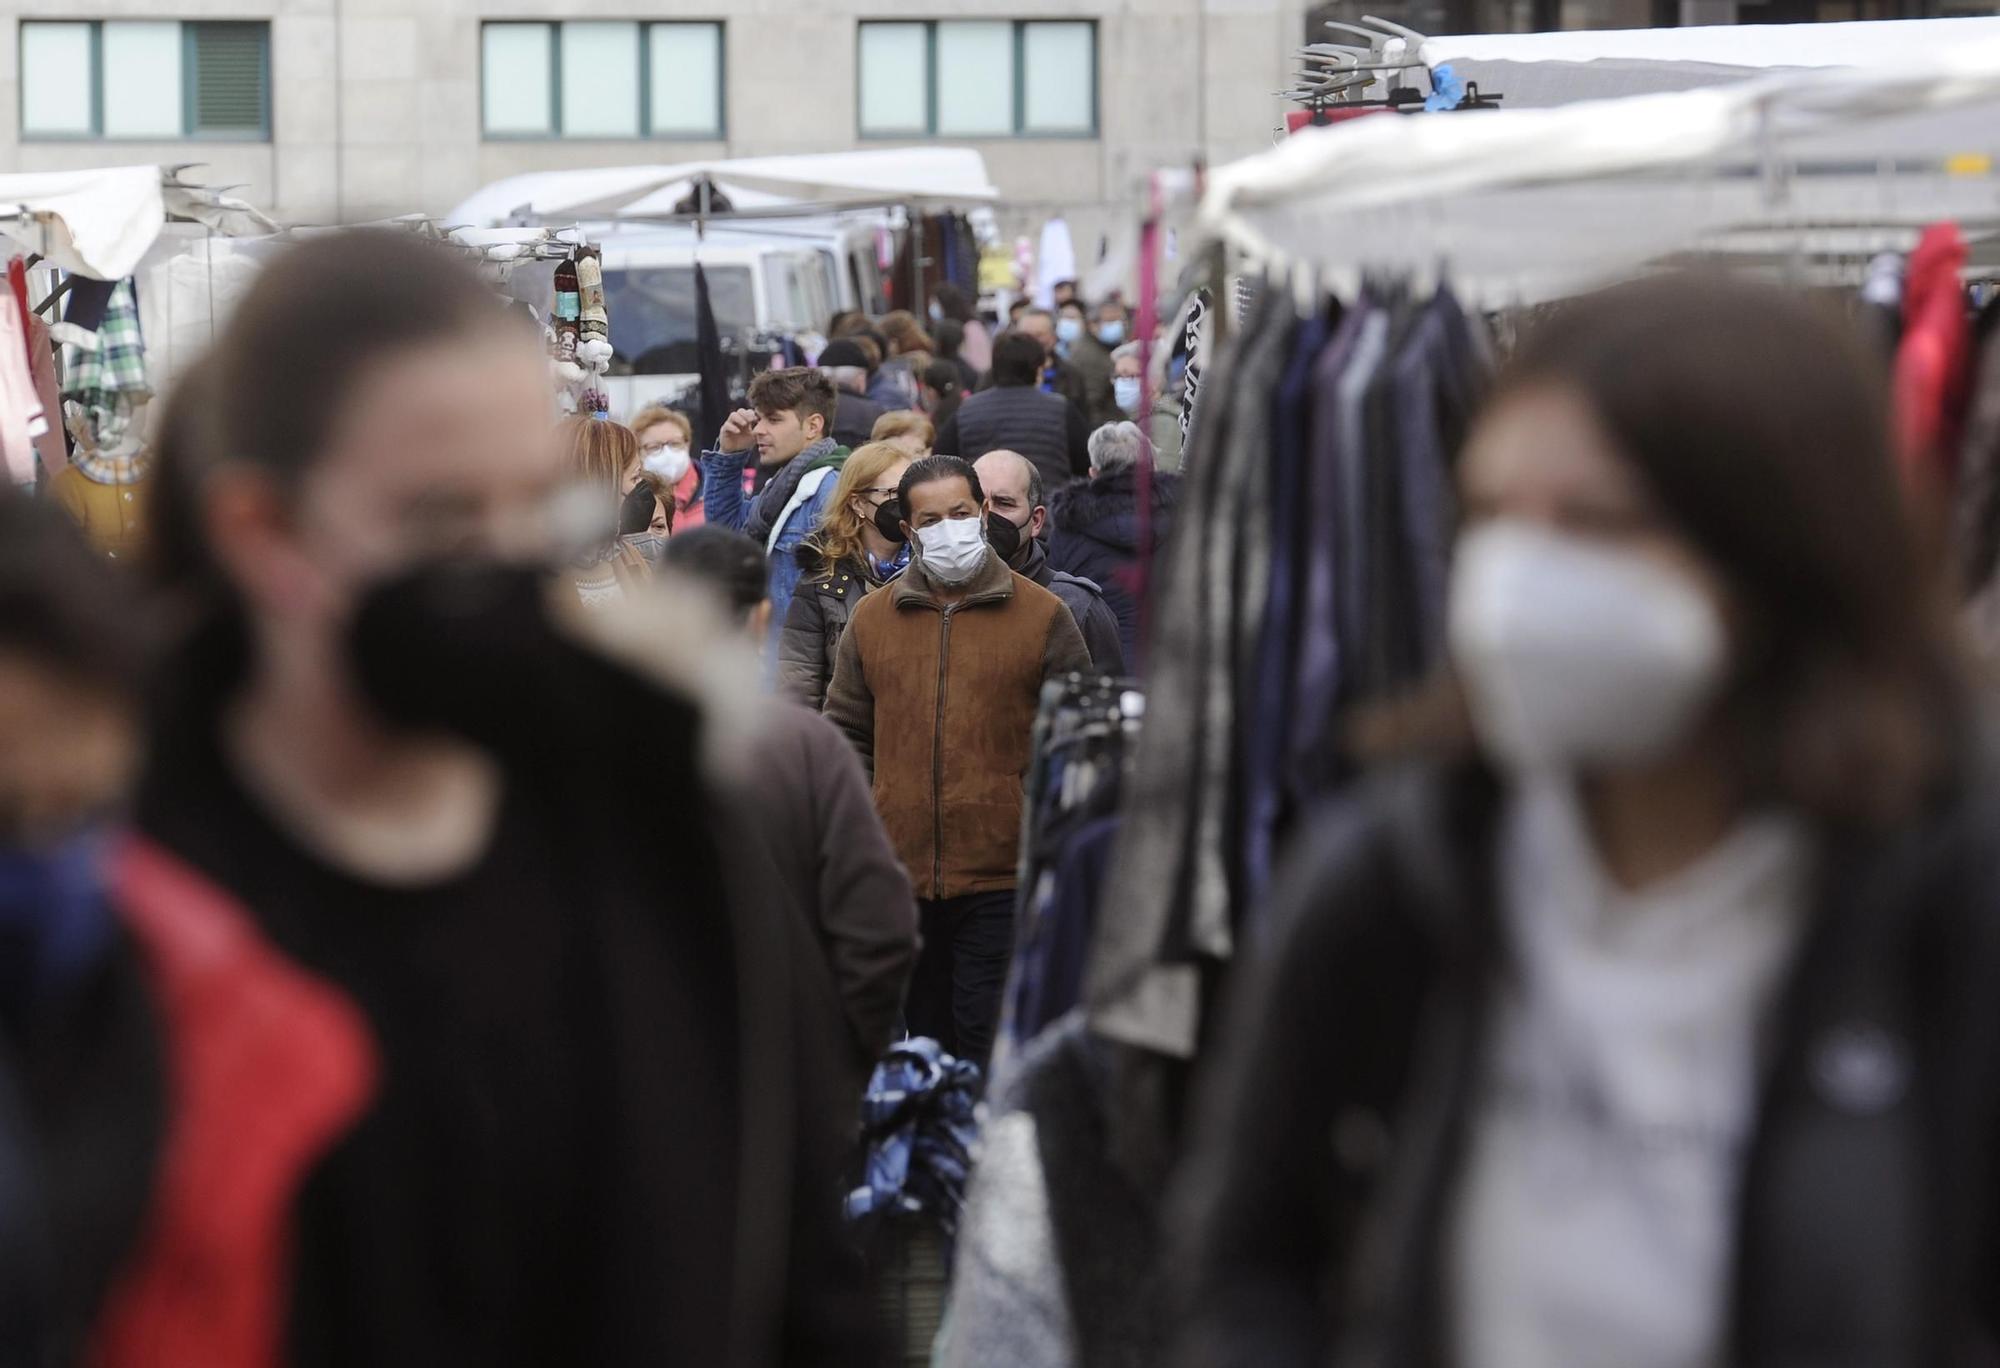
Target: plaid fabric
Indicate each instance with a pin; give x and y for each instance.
(119, 363)
(104, 388)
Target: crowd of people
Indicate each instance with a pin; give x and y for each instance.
(452, 904)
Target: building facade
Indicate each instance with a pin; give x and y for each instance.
(329, 111)
(347, 110)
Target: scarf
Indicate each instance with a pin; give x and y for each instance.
(771, 502)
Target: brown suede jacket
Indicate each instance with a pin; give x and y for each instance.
(940, 701)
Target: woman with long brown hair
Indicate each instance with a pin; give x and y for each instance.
(1650, 1020)
(858, 548)
(602, 461)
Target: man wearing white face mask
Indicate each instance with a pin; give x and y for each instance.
(666, 446)
(937, 684)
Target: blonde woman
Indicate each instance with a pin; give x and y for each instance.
(857, 549)
(603, 457)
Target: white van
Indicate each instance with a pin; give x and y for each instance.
(781, 276)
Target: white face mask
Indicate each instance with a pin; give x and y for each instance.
(953, 549)
(1125, 388)
(670, 463)
(1578, 656)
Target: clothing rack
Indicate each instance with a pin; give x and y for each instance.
(1085, 736)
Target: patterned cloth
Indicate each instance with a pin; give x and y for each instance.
(919, 1127)
(106, 387)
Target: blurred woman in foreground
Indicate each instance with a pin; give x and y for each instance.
(1653, 1023)
(389, 741)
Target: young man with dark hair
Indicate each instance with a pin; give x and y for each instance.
(787, 426)
(1016, 416)
(938, 680)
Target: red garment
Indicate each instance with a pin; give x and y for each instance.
(266, 1068)
(689, 510)
(1933, 366)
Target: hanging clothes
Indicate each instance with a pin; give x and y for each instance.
(1055, 260)
(1932, 365)
(106, 378)
(22, 419)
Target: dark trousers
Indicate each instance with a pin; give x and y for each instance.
(955, 991)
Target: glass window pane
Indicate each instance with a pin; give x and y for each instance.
(975, 78)
(142, 80)
(652, 315)
(1059, 70)
(55, 79)
(600, 80)
(515, 73)
(686, 75)
(229, 79)
(894, 92)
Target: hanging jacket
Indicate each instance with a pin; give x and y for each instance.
(1932, 366)
(940, 701)
(1096, 537)
(809, 645)
(1319, 1195)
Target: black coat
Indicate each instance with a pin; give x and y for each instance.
(854, 417)
(1866, 1230)
(810, 642)
(699, 1069)
(1096, 537)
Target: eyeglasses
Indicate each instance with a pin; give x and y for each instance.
(885, 493)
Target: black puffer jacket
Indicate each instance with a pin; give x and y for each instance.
(1867, 1226)
(1096, 537)
(810, 642)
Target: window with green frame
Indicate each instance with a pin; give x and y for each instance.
(145, 79)
(601, 79)
(978, 78)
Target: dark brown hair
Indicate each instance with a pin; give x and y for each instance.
(1762, 429)
(801, 390)
(270, 389)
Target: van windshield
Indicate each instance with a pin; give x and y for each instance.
(652, 315)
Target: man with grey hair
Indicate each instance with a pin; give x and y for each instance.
(1017, 522)
(1097, 529)
(854, 415)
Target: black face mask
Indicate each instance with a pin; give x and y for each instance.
(1003, 536)
(889, 522)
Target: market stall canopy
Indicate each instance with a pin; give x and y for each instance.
(102, 223)
(1537, 70)
(921, 176)
(1518, 206)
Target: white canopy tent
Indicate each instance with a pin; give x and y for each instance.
(102, 223)
(915, 176)
(1531, 204)
(1538, 70)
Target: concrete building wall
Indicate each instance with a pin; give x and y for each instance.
(376, 103)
